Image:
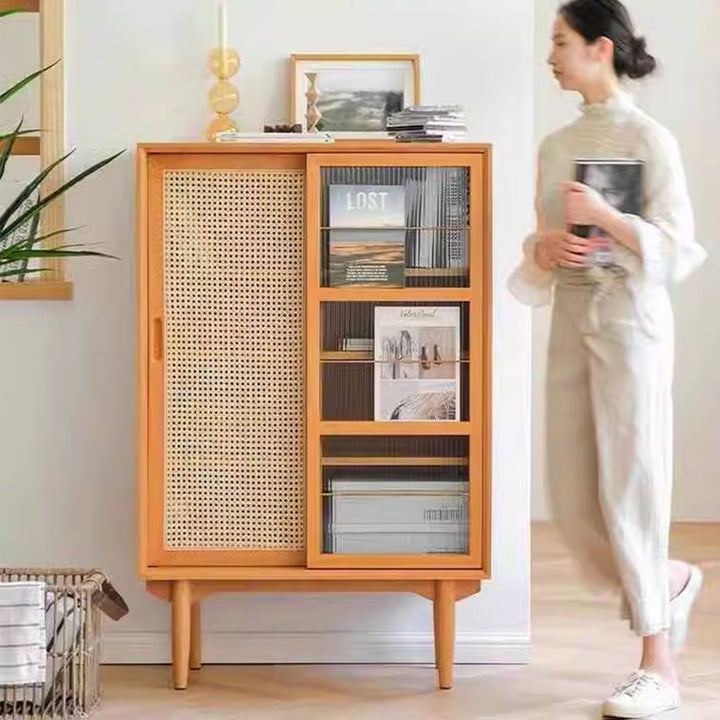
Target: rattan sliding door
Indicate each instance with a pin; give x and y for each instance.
(226, 361)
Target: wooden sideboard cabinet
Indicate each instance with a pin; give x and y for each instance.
(282, 446)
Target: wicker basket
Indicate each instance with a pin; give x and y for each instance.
(72, 631)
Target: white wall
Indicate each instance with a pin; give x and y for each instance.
(20, 54)
(136, 72)
(684, 96)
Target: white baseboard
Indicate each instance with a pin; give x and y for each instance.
(318, 647)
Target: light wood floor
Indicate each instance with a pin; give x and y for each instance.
(580, 649)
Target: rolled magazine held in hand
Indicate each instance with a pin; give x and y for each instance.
(620, 182)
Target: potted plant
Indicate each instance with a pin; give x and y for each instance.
(21, 238)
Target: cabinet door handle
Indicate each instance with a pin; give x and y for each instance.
(157, 343)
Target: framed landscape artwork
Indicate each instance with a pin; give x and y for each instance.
(355, 92)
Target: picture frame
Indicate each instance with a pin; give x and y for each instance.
(356, 91)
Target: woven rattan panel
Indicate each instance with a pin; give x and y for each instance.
(234, 394)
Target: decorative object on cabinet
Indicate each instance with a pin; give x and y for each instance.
(223, 63)
(312, 114)
(353, 93)
(429, 123)
(248, 470)
(283, 128)
(23, 234)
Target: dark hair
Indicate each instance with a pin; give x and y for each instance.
(594, 19)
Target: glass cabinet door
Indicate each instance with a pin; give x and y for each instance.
(394, 226)
(395, 360)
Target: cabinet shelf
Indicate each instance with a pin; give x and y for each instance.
(436, 272)
(463, 228)
(395, 427)
(380, 294)
(361, 356)
(392, 493)
(393, 460)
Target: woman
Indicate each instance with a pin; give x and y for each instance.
(610, 363)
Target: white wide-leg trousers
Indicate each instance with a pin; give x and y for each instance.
(609, 439)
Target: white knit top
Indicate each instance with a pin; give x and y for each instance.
(614, 129)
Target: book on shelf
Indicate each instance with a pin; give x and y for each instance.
(414, 112)
(356, 344)
(413, 136)
(432, 136)
(430, 128)
(398, 501)
(620, 182)
(382, 539)
(375, 514)
(366, 246)
(425, 122)
(417, 363)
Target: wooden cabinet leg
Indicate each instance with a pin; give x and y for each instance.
(444, 612)
(195, 638)
(181, 612)
(436, 630)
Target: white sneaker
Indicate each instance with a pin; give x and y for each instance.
(680, 607)
(643, 693)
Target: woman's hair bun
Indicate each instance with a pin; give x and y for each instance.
(641, 62)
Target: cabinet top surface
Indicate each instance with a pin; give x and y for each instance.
(339, 146)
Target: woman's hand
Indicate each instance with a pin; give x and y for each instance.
(585, 206)
(558, 247)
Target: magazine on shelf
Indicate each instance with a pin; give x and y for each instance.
(417, 363)
(396, 539)
(366, 236)
(437, 235)
(406, 501)
(620, 182)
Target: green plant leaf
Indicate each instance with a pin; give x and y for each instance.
(26, 243)
(21, 254)
(24, 217)
(7, 148)
(17, 87)
(28, 190)
(4, 13)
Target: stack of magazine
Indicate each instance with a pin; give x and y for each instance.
(436, 123)
(374, 514)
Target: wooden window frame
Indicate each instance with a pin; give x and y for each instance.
(49, 147)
